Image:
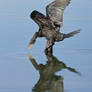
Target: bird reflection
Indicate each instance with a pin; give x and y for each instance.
(49, 81)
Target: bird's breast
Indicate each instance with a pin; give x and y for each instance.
(48, 33)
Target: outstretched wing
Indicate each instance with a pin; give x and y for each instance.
(55, 11)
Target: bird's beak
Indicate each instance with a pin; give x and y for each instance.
(30, 46)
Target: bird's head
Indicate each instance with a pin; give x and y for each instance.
(34, 14)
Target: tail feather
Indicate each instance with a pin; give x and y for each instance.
(71, 34)
(73, 70)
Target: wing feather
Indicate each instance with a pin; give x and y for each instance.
(55, 11)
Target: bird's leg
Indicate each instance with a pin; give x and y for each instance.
(49, 51)
(49, 47)
(33, 40)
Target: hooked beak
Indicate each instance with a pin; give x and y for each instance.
(30, 46)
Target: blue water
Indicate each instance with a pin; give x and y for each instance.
(17, 74)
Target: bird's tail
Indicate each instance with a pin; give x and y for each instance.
(71, 34)
(73, 70)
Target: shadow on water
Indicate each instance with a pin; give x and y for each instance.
(49, 81)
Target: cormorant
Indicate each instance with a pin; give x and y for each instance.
(50, 24)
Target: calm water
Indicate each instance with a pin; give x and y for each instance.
(19, 74)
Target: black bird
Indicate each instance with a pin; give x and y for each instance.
(49, 81)
(50, 24)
